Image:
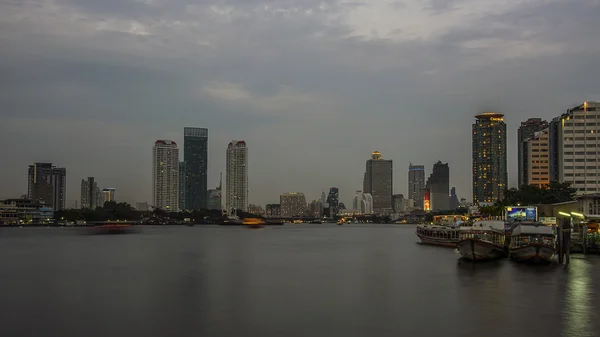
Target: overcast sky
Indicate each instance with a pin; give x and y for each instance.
(312, 86)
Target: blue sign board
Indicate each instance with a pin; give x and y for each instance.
(517, 213)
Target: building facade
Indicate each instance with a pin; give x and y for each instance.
(416, 184)
(333, 199)
(165, 175)
(526, 131)
(108, 195)
(292, 204)
(195, 156)
(256, 210)
(537, 161)
(363, 203)
(454, 202)
(237, 176)
(438, 185)
(47, 184)
(273, 210)
(490, 174)
(378, 182)
(182, 185)
(578, 147)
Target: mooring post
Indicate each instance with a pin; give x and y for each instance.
(559, 240)
(584, 238)
(568, 246)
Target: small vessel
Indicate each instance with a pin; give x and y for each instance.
(532, 242)
(230, 220)
(253, 222)
(341, 221)
(446, 236)
(483, 240)
(115, 227)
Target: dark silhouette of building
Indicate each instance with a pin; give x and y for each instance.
(416, 184)
(47, 184)
(195, 156)
(438, 185)
(378, 182)
(454, 203)
(333, 199)
(526, 131)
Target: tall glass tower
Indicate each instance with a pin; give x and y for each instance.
(490, 175)
(195, 156)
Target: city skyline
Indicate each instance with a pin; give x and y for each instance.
(90, 94)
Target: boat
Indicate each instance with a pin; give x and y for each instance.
(111, 227)
(253, 222)
(446, 236)
(341, 221)
(230, 220)
(273, 222)
(482, 240)
(532, 242)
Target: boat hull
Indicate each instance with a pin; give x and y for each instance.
(437, 241)
(533, 253)
(478, 250)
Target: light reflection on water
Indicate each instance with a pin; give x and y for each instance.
(579, 310)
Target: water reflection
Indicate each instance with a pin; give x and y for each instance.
(578, 309)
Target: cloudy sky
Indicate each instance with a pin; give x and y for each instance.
(313, 86)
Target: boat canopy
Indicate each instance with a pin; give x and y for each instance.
(537, 229)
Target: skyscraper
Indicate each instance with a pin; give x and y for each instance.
(108, 195)
(182, 183)
(195, 156)
(438, 185)
(537, 160)
(490, 175)
(91, 196)
(576, 154)
(526, 131)
(333, 199)
(47, 184)
(378, 182)
(237, 176)
(416, 184)
(165, 175)
(293, 204)
(454, 202)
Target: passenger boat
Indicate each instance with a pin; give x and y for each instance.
(482, 240)
(446, 236)
(253, 222)
(532, 242)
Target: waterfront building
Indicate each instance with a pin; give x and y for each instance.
(378, 182)
(89, 189)
(182, 185)
(438, 185)
(454, 203)
(142, 206)
(47, 184)
(273, 210)
(400, 204)
(323, 198)
(316, 208)
(24, 211)
(577, 146)
(256, 210)
(195, 156)
(333, 199)
(363, 202)
(108, 195)
(537, 161)
(293, 204)
(165, 175)
(526, 131)
(237, 176)
(490, 175)
(416, 184)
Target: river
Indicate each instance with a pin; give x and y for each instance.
(292, 280)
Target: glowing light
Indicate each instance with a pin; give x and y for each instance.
(564, 214)
(578, 214)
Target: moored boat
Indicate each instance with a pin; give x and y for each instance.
(253, 222)
(446, 236)
(532, 242)
(111, 227)
(483, 240)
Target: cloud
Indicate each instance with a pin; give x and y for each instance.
(313, 86)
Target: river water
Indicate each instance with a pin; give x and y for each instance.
(292, 280)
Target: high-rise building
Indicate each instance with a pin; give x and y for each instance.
(323, 198)
(195, 156)
(438, 185)
(315, 209)
(85, 194)
(333, 199)
(108, 195)
(526, 131)
(237, 176)
(454, 202)
(416, 184)
(363, 202)
(576, 154)
(165, 175)
(47, 184)
(537, 161)
(378, 182)
(292, 204)
(273, 210)
(182, 183)
(490, 175)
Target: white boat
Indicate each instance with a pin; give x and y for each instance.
(446, 236)
(483, 240)
(532, 242)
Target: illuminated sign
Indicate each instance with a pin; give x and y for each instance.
(517, 213)
(426, 201)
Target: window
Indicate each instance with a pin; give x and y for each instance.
(579, 124)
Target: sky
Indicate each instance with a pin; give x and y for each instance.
(312, 86)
